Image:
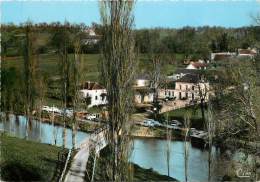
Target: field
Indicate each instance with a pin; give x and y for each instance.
(49, 64)
(23, 160)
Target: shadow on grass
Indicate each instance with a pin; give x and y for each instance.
(15, 171)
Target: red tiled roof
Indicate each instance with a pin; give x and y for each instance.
(246, 51)
(222, 57)
(199, 65)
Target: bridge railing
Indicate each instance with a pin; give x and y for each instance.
(92, 137)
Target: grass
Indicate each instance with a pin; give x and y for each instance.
(49, 64)
(27, 161)
(141, 174)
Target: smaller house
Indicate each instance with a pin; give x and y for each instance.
(247, 53)
(197, 65)
(91, 37)
(95, 92)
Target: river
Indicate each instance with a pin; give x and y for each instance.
(148, 153)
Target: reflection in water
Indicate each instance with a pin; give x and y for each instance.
(151, 153)
(41, 132)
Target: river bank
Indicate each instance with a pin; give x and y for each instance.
(23, 160)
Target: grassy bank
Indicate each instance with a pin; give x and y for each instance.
(23, 160)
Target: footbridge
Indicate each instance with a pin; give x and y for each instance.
(96, 141)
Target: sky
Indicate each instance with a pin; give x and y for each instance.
(148, 14)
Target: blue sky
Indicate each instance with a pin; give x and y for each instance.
(173, 14)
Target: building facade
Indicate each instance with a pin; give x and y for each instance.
(95, 92)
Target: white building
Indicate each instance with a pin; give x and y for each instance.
(143, 96)
(95, 92)
(142, 81)
(189, 87)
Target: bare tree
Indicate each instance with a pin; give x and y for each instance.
(29, 72)
(76, 77)
(187, 124)
(203, 92)
(118, 66)
(237, 113)
(168, 148)
(62, 40)
(211, 134)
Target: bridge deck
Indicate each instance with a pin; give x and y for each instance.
(77, 170)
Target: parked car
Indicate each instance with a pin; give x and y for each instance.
(51, 109)
(46, 108)
(92, 117)
(151, 122)
(69, 112)
(175, 123)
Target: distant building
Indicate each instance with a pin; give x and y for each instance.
(95, 92)
(167, 91)
(197, 65)
(142, 80)
(142, 87)
(190, 87)
(222, 56)
(91, 37)
(143, 95)
(179, 73)
(247, 53)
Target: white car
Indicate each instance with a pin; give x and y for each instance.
(69, 112)
(46, 108)
(175, 123)
(151, 122)
(91, 116)
(55, 110)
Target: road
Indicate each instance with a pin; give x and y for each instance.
(77, 171)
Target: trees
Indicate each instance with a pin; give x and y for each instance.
(118, 66)
(75, 79)
(29, 54)
(61, 39)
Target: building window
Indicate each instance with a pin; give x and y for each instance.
(96, 97)
(192, 96)
(173, 93)
(179, 95)
(186, 87)
(169, 93)
(165, 92)
(180, 87)
(186, 94)
(192, 87)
